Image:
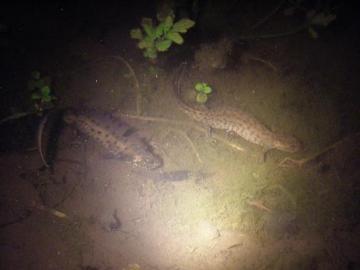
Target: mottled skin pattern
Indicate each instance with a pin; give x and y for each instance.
(114, 135)
(238, 122)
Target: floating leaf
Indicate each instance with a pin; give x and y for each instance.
(150, 53)
(159, 30)
(163, 45)
(35, 96)
(147, 24)
(201, 98)
(183, 25)
(203, 88)
(136, 34)
(147, 42)
(58, 213)
(207, 89)
(168, 23)
(45, 90)
(176, 37)
(198, 86)
(46, 99)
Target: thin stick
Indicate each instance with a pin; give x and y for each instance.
(267, 17)
(267, 63)
(169, 121)
(39, 136)
(184, 134)
(136, 82)
(15, 116)
(274, 35)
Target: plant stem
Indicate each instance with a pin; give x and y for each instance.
(136, 82)
(271, 13)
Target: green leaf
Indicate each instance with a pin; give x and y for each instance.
(136, 34)
(142, 44)
(176, 37)
(198, 86)
(35, 75)
(183, 25)
(168, 23)
(147, 24)
(150, 53)
(164, 26)
(35, 96)
(163, 45)
(45, 90)
(201, 98)
(147, 42)
(159, 30)
(46, 99)
(207, 89)
(203, 88)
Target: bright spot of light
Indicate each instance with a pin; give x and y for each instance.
(207, 231)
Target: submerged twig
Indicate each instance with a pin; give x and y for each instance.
(184, 134)
(247, 57)
(15, 116)
(169, 121)
(136, 82)
(296, 30)
(39, 136)
(270, 14)
(259, 205)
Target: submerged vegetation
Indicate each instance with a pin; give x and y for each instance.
(158, 37)
(39, 97)
(41, 92)
(203, 90)
(234, 191)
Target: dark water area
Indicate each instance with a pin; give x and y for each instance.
(213, 204)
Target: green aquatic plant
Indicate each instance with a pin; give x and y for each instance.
(154, 38)
(41, 94)
(203, 90)
(315, 19)
(41, 98)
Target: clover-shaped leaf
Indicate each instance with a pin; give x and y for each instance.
(35, 96)
(136, 34)
(203, 88)
(176, 37)
(201, 98)
(183, 25)
(163, 45)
